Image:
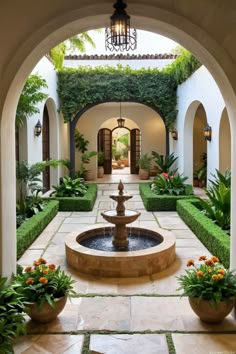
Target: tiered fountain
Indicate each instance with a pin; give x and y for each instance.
(120, 251)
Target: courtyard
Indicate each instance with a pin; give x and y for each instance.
(124, 315)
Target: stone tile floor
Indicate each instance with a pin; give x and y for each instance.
(130, 315)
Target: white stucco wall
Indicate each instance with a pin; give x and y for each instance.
(200, 88)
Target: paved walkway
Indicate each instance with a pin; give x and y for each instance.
(124, 316)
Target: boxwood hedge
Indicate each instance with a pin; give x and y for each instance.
(31, 228)
(212, 236)
(154, 202)
(84, 203)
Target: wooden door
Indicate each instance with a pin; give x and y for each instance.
(46, 149)
(135, 150)
(104, 144)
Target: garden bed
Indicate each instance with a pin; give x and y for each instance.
(84, 203)
(154, 202)
(212, 236)
(31, 228)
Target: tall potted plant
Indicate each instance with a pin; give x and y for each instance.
(100, 171)
(144, 166)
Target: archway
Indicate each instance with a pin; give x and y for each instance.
(224, 143)
(21, 49)
(199, 148)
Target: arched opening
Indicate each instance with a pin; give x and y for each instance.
(199, 148)
(39, 37)
(46, 148)
(224, 143)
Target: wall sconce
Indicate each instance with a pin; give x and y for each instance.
(174, 134)
(38, 128)
(207, 132)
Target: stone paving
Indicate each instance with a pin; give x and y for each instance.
(124, 315)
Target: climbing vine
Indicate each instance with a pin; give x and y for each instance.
(84, 87)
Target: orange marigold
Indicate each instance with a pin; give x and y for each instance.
(45, 271)
(36, 263)
(220, 276)
(214, 277)
(221, 271)
(202, 258)
(28, 269)
(190, 262)
(30, 281)
(209, 270)
(209, 262)
(42, 260)
(215, 259)
(43, 280)
(52, 266)
(200, 273)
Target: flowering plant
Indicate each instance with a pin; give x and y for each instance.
(171, 183)
(42, 283)
(208, 281)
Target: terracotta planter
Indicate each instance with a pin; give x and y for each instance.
(100, 171)
(143, 174)
(46, 313)
(211, 313)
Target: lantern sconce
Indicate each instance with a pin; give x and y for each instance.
(38, 129)
(207, 132)
(174, 134)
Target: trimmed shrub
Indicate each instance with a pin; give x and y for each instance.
(84, 203)
(31, 228)
(154, 202)
(212, 236)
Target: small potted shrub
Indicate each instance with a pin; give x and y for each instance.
(100, 171)
(144, 166)
(44, 288)
(210, 287)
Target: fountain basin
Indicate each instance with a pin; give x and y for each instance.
(128, 217)
(123, 263)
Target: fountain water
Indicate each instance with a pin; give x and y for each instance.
(132, 251)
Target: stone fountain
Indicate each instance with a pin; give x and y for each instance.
(120, 251)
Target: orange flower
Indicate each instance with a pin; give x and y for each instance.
(202, 258)
(43, 280)
(52, 266)
(209, 262)
(221, 271)
(42, 260)
(215, 259)
(214, 277)
(220, 276)
(30, 281)
(36, 263)
(200, 273)
(190, 262)
(210, 270)
(45, 271)
(28, 269)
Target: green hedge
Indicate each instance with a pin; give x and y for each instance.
(30, 229)
(84, 203)
(154, 202)
(212, 236)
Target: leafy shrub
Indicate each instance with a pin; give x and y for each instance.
(12, 322)
(145, 162)
(70, 188)
(164, 164)
(29, 206)
(171, 184)
(217, 207)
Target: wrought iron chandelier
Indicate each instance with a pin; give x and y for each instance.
(119, 37)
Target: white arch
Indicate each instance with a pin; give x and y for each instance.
(21, 49)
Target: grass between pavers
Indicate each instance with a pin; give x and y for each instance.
(31, 228)
(84, 203)
(154, 202)
(212, 236)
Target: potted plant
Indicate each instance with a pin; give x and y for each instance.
(86, 156)
(144, 166)
(100, 160)
(210, 287)
(44, 288)
(12, 321)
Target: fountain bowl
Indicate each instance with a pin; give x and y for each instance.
(123, 263)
